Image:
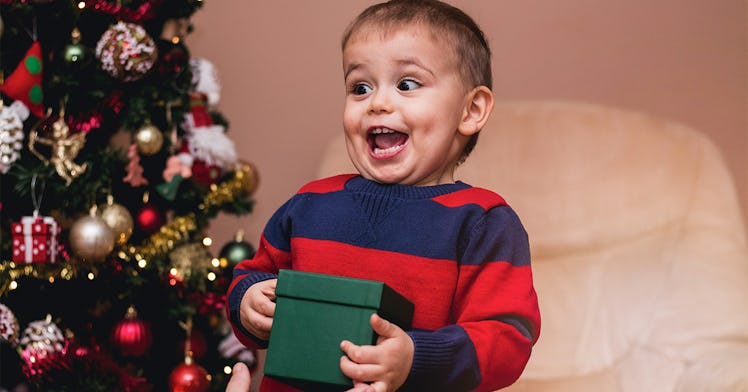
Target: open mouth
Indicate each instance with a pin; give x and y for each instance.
(386, 142)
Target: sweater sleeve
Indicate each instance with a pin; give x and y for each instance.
(496, 312)
(273, 254)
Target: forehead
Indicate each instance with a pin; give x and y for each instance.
(383, 32)
(411, 40)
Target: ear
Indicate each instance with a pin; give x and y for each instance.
(478, 107)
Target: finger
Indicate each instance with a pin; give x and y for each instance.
(383, 327)
(358, 354)
(269, 290)
(361, 387)
(359, 372)
(262, 323)
(266, 307)
(240, 378)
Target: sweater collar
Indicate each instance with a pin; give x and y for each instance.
(359, 184)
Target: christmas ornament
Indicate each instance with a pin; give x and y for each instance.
(42, 337)
(189, 260)
(11, 133)
(118, 219)
(175, 171)
(149, 218)
(42, 347)
(205, 79)
(206, 142)
(8, 326)
(149, 139)
(35, 239)
(126, 51)
(132, 336)
(249, 177)
(237, 250)
(189, 377)
(90, 237)
(75, 52)
(134, 170)
(25, 82)
(64, 147)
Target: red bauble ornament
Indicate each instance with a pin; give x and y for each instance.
(132, 336)
(149, 218)
(189, 377)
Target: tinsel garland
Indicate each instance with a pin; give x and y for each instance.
(144, 12)
(159, 244)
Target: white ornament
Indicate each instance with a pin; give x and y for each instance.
(211, 145)
(205, 79)
(11, 133)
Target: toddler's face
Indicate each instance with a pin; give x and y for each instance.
(404, 102)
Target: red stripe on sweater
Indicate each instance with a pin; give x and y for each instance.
(326, 185)
(486, 199)
(436, 278)
(502, 288)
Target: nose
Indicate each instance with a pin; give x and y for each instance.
(380, 102)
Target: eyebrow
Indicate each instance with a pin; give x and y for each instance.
(402, 62)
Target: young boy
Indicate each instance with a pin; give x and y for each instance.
(418, 82)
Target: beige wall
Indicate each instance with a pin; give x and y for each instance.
(280, 69)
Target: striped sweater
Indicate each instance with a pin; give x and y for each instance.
(458, 252)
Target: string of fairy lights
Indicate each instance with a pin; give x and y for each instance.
(170, 236)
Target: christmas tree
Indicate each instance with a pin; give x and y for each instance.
(113, 161)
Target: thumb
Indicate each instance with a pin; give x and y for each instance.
(240, 378)
(383, 327)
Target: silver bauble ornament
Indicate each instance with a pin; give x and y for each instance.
(90, 238)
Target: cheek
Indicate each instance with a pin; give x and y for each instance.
(351, 118)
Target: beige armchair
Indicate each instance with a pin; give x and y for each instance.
(638, 246)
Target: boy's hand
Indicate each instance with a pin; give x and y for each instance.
(240, 379)
(257, 308)
(385, 366)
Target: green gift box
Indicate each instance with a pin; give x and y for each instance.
(314, 313)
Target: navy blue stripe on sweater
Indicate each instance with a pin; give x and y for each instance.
(392, 221)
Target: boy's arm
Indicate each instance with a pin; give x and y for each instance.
(265, 264)
(496, 313)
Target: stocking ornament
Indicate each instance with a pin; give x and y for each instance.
(25, 82)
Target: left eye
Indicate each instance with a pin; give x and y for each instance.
(407, 85)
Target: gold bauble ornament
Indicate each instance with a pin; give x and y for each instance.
(119, 219)
(249, 177)
(90, 238)
(149, 139)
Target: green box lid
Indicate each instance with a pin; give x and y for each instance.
(347, 291)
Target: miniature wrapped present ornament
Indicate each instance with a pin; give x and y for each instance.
(35, 239)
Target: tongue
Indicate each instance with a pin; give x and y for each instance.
(387, 140)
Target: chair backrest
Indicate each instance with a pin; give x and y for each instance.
(638, 245)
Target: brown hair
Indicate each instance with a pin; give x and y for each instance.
(447, 22)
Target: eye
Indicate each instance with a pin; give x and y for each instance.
(360, 89)
(408, 85)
